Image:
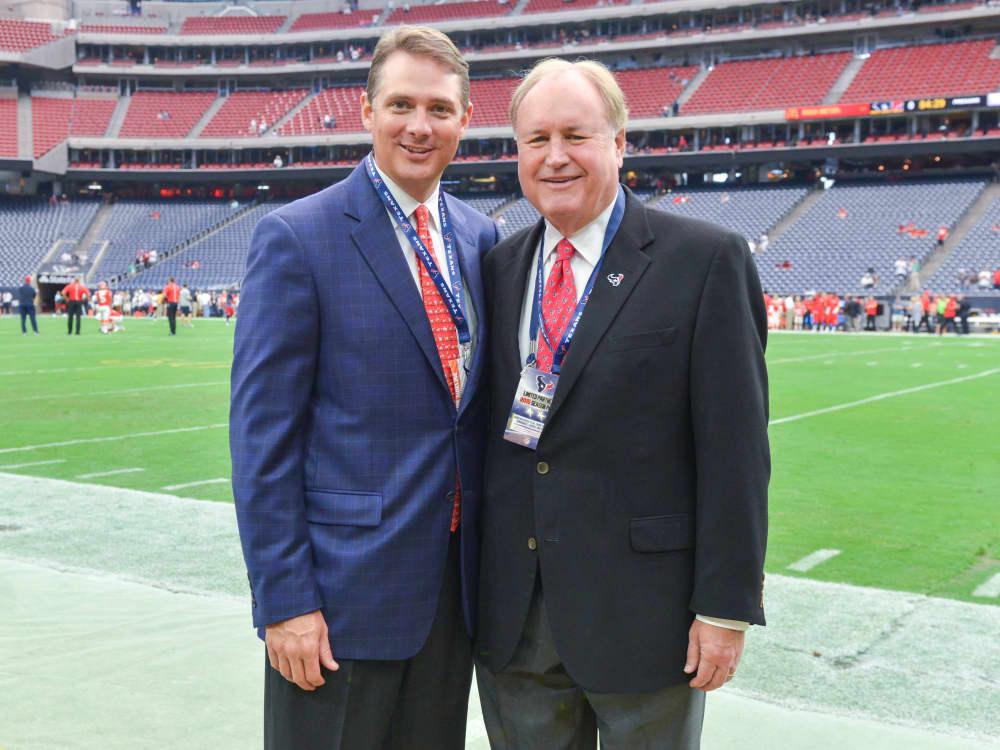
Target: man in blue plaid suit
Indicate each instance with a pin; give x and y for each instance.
(357, 442)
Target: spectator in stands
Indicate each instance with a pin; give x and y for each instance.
(996, 278)
(984, 279)
(388, 598)
(152, 257)
(899, 268)
(278, 162)
(262, 126)
(26, 305)
(253, 125)
(868, 279)
(763, 242)
(942, 235)
(329, 122)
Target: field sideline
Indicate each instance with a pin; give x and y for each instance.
(884, 447)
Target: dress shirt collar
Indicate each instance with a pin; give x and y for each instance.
(587, 241)
(407, 202)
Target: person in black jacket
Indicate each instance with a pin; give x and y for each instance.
(26, 304)
(624, 515)
(963, 313)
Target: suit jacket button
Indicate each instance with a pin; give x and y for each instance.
(450, 497)
(542, 467)
(532, 543)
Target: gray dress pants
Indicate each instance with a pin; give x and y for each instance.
(533, 704)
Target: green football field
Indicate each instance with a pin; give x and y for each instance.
(886, 449)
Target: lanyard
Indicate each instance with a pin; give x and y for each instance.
(537, 319)
(452, 299)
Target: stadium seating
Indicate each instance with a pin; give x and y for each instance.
(232, 25)
(648, 91)
(555, 6)
(164, 114)
(926, 70)
(440, 12)
(108, 28)
(490, 99)
(18, 36)
(772, 83)
(751, 211)
(233, 118)
(53, 119)
(343, 103)
(8, 127)
(979, 250)
(855, 227)
(518, 216)
(333, 20)
(220, 257)
(152, 225)
(30, 229)
(486, 203)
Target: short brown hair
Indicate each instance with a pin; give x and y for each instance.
(420, 41)
(595, 72)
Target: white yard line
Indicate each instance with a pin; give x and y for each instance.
(111, 438)
(119, 391)
(195, 484)
(812, 560)
(883, 396)
(991, 588)
(828, 355)
(33, 463)
(110, 473)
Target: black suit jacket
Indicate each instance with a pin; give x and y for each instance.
(646, 499)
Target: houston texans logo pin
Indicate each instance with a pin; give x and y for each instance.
(615, 278)
(541, 384)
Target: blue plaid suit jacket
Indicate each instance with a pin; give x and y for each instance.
(345, 441)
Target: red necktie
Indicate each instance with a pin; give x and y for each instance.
(558, 303)
(445, 336)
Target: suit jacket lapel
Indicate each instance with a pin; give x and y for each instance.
(512, 279)
(467, 245)
(376, 240)
(624, 258)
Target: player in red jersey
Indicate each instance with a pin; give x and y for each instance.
(102, 306)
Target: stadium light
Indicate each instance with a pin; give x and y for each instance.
(94, 186)
(263, 187)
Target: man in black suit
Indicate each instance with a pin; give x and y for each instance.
(625, 515)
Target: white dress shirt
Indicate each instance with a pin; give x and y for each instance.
(588, 242)
(408, 205)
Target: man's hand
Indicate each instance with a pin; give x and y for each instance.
(298, 646)
(715, 653)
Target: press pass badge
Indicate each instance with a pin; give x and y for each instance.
(532, 402)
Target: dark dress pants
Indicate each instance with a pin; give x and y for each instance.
(172, 316)
(419, 703)
(28, 311)
(534, 704)
(74, 309)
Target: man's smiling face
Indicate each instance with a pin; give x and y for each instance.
(416, 121)
(568, 155)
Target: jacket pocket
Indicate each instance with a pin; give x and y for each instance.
(661, 533)
(343, 508)
(643, 340)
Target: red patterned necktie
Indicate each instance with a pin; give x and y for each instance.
(558, 303)
(445, 335)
